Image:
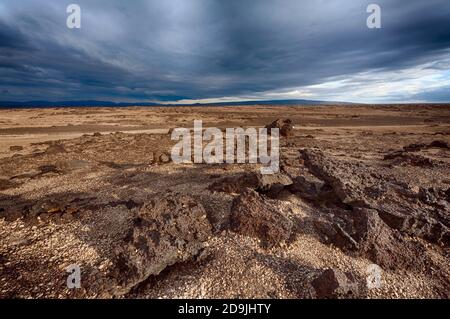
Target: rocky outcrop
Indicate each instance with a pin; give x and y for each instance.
(252, 215)
(16, 148)
(270, 184)
(420, 146)
(364, 233)
(410, 154)
(286, 127)
(235, 184)
(165, 231)
(377, 188)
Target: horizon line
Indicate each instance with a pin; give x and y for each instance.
(102, 103)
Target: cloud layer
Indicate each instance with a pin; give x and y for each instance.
(211, 50)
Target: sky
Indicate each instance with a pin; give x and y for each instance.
(190, 51)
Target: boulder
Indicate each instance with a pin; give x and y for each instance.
(362, 232)
(333, 284)
(359, 186)
(285, 126)
(254, 216)
(166, 230)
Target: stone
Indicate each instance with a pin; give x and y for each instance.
(253, 216)
(285, 126)
(164, 158)
(333, 284)
(166, 230)
(48, 169)
(271, 184)
(358, 186)
(6, 184)
(15, 148)
(55, 149)
(160, 157)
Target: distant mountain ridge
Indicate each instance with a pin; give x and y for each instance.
(86, 103)
(44, 104)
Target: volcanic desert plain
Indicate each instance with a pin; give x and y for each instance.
(359, 185)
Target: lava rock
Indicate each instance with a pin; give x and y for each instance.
(6, 184)
(254, 216)
(285, 126)
(55, 149)
(160, 157)
(45, 169)
(15, 148)
(333, 284)
(269, 184)
(359, 186)
(166, 231)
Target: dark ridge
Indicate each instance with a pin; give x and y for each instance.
(45, 104)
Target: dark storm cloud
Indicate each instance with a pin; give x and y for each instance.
(437, 95)
(198, 49)
(11, 38)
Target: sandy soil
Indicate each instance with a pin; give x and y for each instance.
(366, 185)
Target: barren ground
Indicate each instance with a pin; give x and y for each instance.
(359, 185)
